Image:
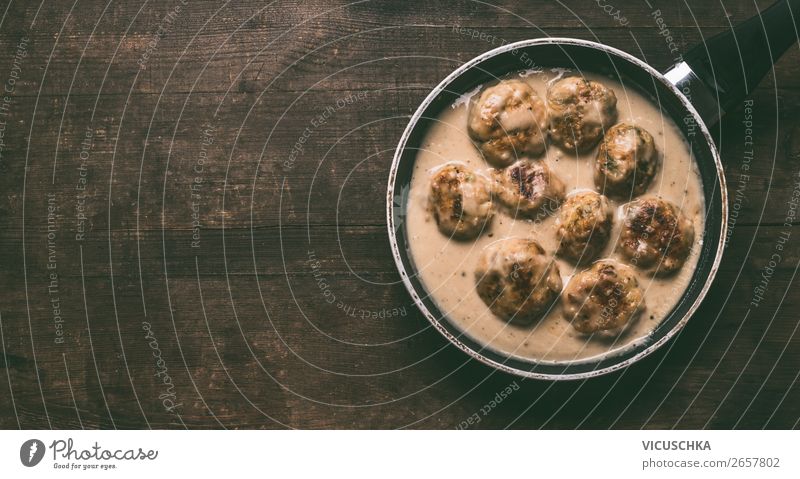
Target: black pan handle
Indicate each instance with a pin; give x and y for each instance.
(720, 72)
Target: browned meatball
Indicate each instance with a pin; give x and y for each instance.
(516, 279)
(580, 111)
(583, 226)
(626, 162)
(604, 297)
(656, 236)
(528, 187)
(508, 121)
(461, 201)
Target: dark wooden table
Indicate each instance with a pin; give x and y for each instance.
(192, 226)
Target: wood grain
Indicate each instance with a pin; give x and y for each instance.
(286, 312)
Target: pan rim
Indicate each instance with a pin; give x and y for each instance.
(392, 231)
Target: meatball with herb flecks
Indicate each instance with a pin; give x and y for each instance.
(528, 188)
(656, 236)
(461, 201)
(605, 297)
(579, 111)
(626, 162)
(583, 226)
(517, 280)
(508, 121)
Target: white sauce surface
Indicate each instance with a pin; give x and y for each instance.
(446, 267)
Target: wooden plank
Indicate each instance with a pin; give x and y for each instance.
(339, 177)
(313, 347)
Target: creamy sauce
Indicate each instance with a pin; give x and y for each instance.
(447, 267)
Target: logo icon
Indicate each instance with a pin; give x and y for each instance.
(31, 452)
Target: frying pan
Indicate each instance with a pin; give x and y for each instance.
(712, 77)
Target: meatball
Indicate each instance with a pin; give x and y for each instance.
(516, 279)
(580, 111)
(461, 201)
(656, 236)
(583, 226)
(527, 187)
(604, 297)
(626, 162)
(509, 120)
